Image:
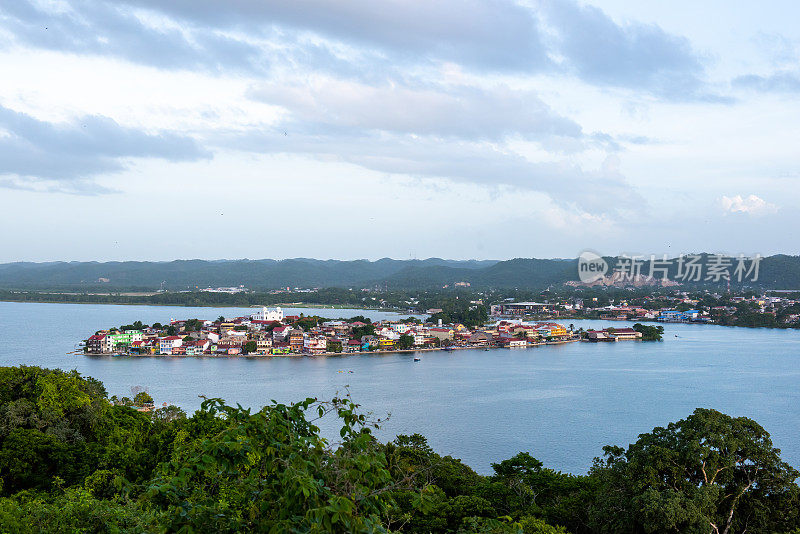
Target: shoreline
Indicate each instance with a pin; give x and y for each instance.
(329, 354)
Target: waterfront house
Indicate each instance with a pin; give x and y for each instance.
(625, 333)
(598, 335)
(441, 333)
(193, 350)
(263, 344)
(513, 342)
(296, 340)
(166, 344)
(198, 347)
(315, 344)
(147, 346)
(671, 316)
(480, 338)
(228, 350)
(97, 344)
(122, 340)
(369, 341)
(280, 348)
(550, 330)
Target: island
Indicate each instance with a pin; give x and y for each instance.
(268, 332)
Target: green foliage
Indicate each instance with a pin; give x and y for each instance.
(142, 398)
(360, 331)
(709, 471)
(75, 510)
(358, 319)
(533, 525)
(405, 342)
(649, 333)
(71, 461)
(271, 472)
(137, 325)
(250, 347)
(193, 325)
(466, 314)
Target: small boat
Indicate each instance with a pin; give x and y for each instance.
(417, 359)
(486, 349)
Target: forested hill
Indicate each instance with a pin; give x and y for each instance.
(776, 272)
(191, 274)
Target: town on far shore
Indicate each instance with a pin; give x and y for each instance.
(268, 332)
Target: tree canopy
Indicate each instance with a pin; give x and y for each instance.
(71, 461)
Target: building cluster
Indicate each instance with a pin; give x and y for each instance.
(678, 308)
(613, 334)
(269, 332)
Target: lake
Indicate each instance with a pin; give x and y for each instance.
(560, 403)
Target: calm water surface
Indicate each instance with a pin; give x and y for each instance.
(560, 403)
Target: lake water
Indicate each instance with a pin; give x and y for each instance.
(560, 403)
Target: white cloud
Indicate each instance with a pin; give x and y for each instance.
(751, 205)
(424, 109)
(388, 103)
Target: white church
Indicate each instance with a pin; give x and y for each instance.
(268, 314)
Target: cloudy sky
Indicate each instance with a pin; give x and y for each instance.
(145, 129)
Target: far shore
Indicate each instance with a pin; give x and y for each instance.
(281, 304)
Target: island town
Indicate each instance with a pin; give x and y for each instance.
(268, 332)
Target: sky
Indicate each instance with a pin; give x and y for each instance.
(151, 130)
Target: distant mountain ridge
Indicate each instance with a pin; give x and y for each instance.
(776, 272)
(188, 274)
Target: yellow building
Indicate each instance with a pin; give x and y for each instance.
(550, 329)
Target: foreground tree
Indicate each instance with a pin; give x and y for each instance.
(707, 473)
(142, 398)
(272, 472)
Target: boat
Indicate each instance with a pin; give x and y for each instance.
(417, 359)
(486, 349)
